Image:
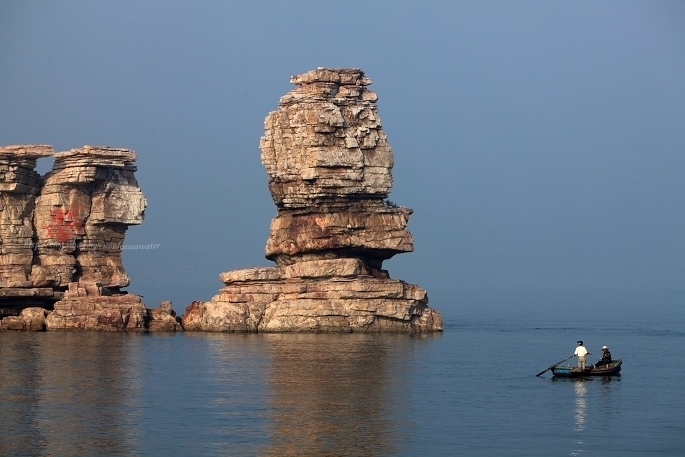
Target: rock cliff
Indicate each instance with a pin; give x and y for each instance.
(329, 172)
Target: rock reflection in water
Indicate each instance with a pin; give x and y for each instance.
(335, 394)
(68, 394)
(20, 379)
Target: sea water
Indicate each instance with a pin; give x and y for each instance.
(471, 391)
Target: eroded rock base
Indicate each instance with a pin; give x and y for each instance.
(113, 313)
(336, 295)
(29, 320)
(90, 306)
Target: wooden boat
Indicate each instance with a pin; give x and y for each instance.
(612, 369)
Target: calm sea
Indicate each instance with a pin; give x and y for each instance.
(470, 391)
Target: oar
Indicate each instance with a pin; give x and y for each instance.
(552, 366)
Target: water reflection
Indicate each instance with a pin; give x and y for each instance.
(68, 394)
(19, 392)
(608, 386)
(587, 394)
(580, 411)
(335, 394)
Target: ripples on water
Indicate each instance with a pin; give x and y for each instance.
(470, 391)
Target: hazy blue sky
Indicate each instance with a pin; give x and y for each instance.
(541, 144)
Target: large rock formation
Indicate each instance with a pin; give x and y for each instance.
(85, 206)
(61, 236)
(329, 166)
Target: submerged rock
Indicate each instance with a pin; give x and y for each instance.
(329, 166)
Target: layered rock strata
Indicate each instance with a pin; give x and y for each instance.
(337, 295)
(329, 167)
(20, 185)
(87, 306)
(29, 319)
(84, 208)
(61, 237)
(90, 306)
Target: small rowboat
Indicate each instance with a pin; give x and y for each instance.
(612, 369)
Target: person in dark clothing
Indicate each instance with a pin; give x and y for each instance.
(606, 357)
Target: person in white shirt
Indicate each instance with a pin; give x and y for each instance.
(581, 352)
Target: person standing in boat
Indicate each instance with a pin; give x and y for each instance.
(606, 357)
(581, 352)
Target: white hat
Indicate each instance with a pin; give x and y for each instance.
(604, 347)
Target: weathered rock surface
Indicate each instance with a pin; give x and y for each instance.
(338, 295)
(19, 187)
(106, 313)
(90, 306)
(86, 203)
(163, 319)
(370, 230)
(30, 319)
(329, 166)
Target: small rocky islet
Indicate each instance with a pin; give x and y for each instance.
(329, 172)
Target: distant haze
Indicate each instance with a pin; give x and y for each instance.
(541, 144)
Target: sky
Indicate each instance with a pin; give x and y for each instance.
(541, 144)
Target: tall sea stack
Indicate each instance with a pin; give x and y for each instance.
(329, 167)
